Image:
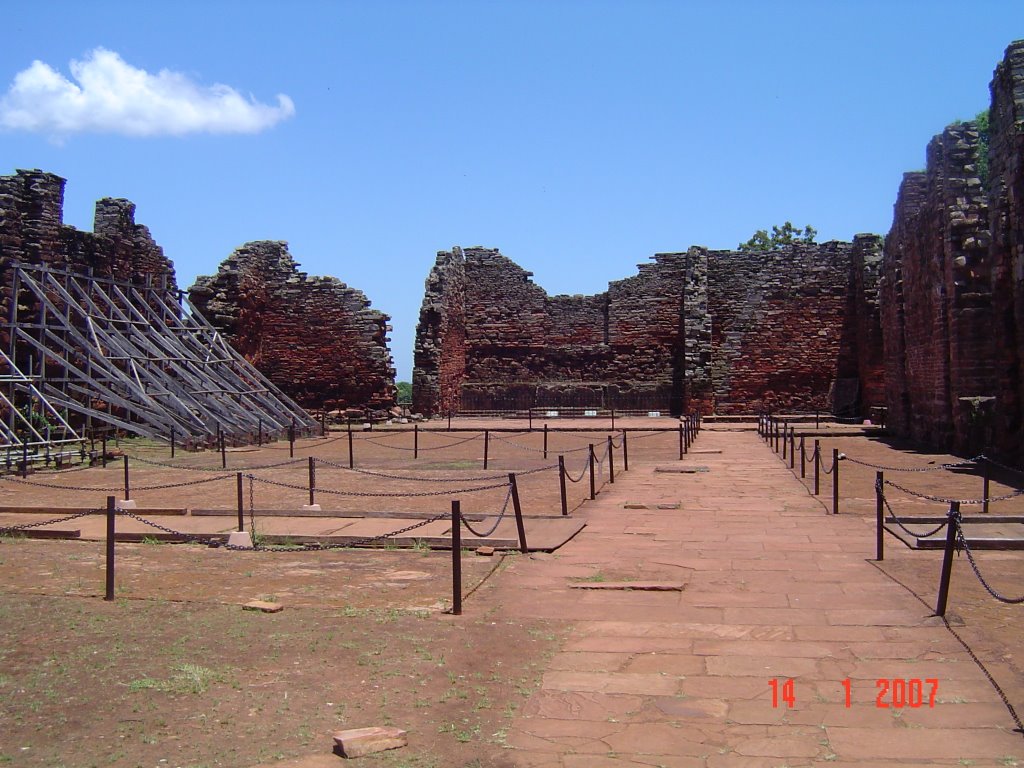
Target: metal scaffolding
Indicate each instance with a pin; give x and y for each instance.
(86, 354)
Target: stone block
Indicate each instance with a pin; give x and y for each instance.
(263, 606)
(357, 742)
(240, 539)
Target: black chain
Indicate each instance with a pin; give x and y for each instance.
(963, 502)
(383, 494)
(214, 469)
(962, 543)
(937, 467)
(189, 537)
(25, 526)
(583, 472)
(389, 476)
(898, 522)
(493, 528)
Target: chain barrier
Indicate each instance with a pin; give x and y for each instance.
(937, 467)
(192, 538)
(831, 469)
(961, 541)
(994, 463)
(85, 489)
(421, 448)
(168, 465)
(388, 476)
(493, 528)
(895, 519)
(514, 444)
(962, 502)
(8, 529)
(371, 494)
(320, 441)
(586, 466)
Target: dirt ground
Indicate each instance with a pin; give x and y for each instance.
(174, 672)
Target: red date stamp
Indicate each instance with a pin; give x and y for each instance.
(891, 693)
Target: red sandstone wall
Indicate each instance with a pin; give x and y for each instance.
(314, 337)
(1006, 201)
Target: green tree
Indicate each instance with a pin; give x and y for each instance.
(404, 392)
(981, 120)
(780, 237)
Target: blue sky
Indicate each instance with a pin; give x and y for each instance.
(578, 137)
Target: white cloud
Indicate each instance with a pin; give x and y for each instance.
(111, 96)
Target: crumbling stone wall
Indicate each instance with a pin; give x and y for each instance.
(32, 231)
(951, 294)
(1006, 212)
(720, 330)
(314, 337)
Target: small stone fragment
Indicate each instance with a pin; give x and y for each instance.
(634, 505)
(485, 551)
(263, 606)
(356, 742)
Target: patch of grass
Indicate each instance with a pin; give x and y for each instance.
(187, 678)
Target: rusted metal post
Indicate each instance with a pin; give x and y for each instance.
(312, 480)
(682, 450)
(792, 447)
(613, 418)
(172, 442)
(487, 441)
(625, 452)
(785, 439)
(561, 484)
(529, 415)
(879, 515)
(520, 528)
(456, 558)
(611, 461)
(240, 499)
(127, 487)
(111, 516)
(103, 447)
(223, 453)
(291, 440)
(545, 440)
(24, 460)
(803, 458)
(835, 481)
(259, 432)
(817, 467)
(351, 458)
(947, 557)
(415, 441)
(593, 488)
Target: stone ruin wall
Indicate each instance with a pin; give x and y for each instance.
(314, 337)
(951, 293)
(711, 330)
(32, 231)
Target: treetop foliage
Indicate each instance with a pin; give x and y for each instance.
(780, 237)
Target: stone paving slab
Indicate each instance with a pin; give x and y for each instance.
(776, 588)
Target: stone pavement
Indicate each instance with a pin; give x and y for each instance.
(775, 589)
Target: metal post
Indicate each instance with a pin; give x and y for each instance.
(803, 458)
(487, 440)
(785, 439)
(817, 467)
(817, 418)
(520, 528)
(456, 558)
(545, 440)
(792, 447)
(223, 453)
(291, 441)
(24, 459)
(613, 418)
(529, 415)
(111, 516)
(947, 557)
(241, 501)
(351, 459)
(835, 481)
(681, 449)
(561, 484)
(625, 452)
(259, 432)
(593, 489)
(312, 480)
(879, 515)
(172, 442)
(449, 421)
(323, 424)
(103, 447)
(127, 488)
(415, 441)
(985, 484)
(611, 461)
